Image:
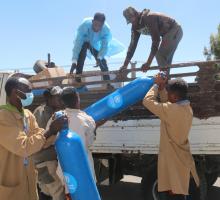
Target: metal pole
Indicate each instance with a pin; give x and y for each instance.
(48, 60)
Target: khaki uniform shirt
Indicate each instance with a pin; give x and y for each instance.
(175, 161)
(42, 114)
(20, 137)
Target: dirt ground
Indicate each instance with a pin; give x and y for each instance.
(129, 189)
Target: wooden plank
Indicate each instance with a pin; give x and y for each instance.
(183, 75)
(117, 72)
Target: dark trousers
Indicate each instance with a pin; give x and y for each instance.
(82, 56)
(193, 193)
(167, 196)
(168, 46)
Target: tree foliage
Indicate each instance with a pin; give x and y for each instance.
(213, 52)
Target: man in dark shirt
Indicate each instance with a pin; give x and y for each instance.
(165, 32)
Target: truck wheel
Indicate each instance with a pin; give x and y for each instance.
(149, 182)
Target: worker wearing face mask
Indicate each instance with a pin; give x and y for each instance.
(20, 137)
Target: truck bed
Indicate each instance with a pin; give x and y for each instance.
(142, 137)
(204, 91)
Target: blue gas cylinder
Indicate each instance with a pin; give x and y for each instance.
(120, 99)
(75, 165)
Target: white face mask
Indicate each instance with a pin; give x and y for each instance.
(29, 99)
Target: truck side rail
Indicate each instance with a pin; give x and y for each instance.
(204, 91)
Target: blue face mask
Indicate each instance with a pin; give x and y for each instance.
(29, 99)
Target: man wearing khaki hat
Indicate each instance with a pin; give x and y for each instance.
(165, 33)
